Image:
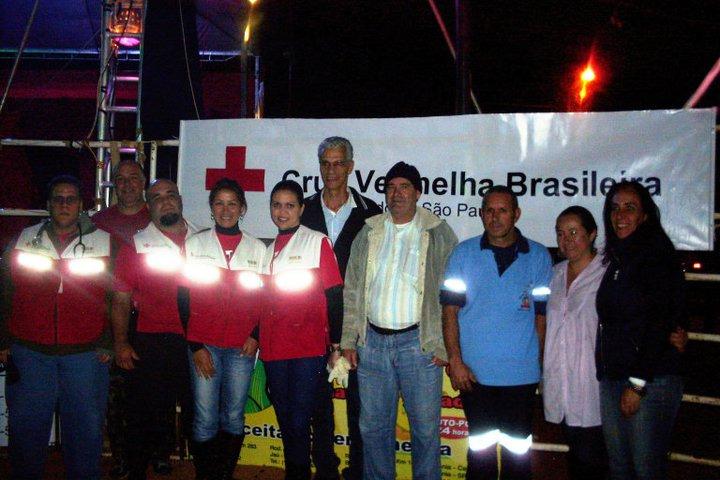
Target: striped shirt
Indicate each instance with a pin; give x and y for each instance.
(394, 285)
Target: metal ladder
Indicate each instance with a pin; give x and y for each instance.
(123, 27)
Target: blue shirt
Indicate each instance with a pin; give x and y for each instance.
(498, 340)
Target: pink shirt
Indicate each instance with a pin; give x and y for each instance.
(570, 387)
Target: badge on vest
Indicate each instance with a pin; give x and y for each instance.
(525, 301)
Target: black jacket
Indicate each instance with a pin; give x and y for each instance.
(641, 300)
(313, 218)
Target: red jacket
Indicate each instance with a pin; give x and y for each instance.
(59, 299)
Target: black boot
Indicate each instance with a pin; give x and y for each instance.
(204, 458)
(229, 451)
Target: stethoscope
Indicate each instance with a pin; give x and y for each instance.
(36, 242)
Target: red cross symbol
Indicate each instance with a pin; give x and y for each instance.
(250, 179)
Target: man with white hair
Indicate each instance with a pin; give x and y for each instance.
(338, 211)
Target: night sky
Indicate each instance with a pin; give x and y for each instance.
(370, 58)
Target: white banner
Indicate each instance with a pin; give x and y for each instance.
(551, 160)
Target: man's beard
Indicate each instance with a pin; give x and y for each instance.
(170, 219)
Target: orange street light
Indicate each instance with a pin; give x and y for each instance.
(587, 76)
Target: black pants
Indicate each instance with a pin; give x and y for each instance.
(323, 427)
(587, 459)
(323, 433)
(159, 381)
(116, 413)
(508, 409)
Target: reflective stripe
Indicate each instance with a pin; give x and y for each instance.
(250, 280)
(541, 291)
(201, 273)
(518, 446)
(164, 260)
(483, 440)
(293, 280)
(86, 266)
(455, 285)
(33, 261)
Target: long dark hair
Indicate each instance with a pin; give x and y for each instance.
(649, 232)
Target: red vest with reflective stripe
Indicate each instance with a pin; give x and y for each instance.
(296, 325)
(59, 299)
(161, 262)
(225, 300)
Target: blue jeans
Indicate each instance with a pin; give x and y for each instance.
(390, 366)
(294, 386)
(219, 401)
(78, 384)
(637, 447)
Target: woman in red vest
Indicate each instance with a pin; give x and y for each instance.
(218, 306)
(303, 320)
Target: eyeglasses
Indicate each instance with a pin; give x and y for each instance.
(60, 200)
(329, 165)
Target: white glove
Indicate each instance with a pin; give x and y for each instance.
(340, 372)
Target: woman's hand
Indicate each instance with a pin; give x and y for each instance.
(249, 348)
(629, 402)
(203, 363)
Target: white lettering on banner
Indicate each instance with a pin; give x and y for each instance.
(550, 160)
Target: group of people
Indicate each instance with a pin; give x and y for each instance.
(389, 299)
(603, 332)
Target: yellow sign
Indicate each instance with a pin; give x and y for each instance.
(263, 439)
